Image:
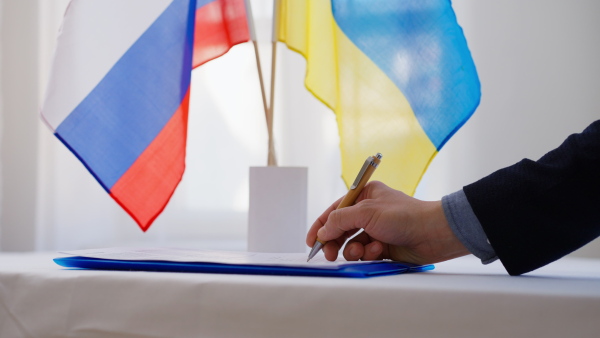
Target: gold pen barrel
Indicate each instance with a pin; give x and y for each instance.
(371, 164)
(363, 177)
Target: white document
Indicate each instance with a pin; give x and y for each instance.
(212, 256)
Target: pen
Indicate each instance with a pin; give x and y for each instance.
(361, 180)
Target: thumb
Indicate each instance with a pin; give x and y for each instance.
(342, 220)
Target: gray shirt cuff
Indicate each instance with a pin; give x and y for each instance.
(466, 226)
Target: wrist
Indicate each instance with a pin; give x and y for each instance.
(445, 245)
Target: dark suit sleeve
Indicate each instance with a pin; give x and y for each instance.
(535, 212)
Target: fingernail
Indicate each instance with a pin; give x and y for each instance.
(354, 252)
(375, 248)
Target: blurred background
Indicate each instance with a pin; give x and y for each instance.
(537, 61)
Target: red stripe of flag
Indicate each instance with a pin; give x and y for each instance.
(220, 25)
(145, 189)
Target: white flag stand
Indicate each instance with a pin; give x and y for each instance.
(277, 211)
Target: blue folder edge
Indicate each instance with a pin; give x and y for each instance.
(353, 271)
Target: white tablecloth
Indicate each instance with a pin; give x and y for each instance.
(461, 298)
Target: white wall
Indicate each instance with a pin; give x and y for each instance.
(538, 66)
(19, 82)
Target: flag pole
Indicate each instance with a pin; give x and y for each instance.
(272, 161)
(273, 68)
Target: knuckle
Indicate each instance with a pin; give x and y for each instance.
(363, 216)
(368, 215)
(334, 218)
(376, 184)
(334, 222)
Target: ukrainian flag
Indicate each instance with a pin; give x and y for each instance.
(397, 73)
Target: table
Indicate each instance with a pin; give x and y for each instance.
(460, 298)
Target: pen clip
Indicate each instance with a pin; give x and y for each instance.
(368, 161)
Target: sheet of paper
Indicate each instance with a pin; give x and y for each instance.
(212, 256)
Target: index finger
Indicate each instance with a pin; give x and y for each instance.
(311, 236)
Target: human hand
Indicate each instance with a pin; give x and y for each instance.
(396, 226)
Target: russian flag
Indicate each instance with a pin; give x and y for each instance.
(119, 89)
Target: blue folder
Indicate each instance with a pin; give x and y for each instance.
(348, 270)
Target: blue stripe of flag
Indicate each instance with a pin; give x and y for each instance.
(201, 3)
(123, 114)
(422, 49)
